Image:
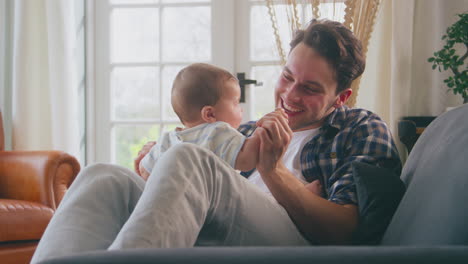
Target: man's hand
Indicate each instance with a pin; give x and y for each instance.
(275, 135)
(144, 150)
(315, 187)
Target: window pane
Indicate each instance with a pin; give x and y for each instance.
(135, 92)
(128, 140)
(264, 96)
(185, 1)
(262, 38)
(186, 34)
(172, 127)
(133, 1)
(134, 35)
(168, 75)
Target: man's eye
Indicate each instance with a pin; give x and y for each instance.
(287, 77)
(311, 90)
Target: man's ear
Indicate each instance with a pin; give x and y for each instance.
(343, 97)
(208, 114)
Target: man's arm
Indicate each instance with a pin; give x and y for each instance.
(318, 219)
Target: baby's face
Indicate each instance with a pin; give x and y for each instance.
(228, 109)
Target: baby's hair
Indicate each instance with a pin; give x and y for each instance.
(196, 86)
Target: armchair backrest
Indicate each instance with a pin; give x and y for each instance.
(434, 209)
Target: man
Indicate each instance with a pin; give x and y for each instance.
(193, 198)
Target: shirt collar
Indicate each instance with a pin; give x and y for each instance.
(334, 122)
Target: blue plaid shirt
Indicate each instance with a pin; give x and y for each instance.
(347, 135)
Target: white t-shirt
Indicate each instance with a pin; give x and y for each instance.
(291, 158)
(218, 137)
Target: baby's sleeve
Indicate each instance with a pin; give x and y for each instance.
(150, 159)
(226, 143)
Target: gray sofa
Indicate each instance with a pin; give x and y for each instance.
(427, 227)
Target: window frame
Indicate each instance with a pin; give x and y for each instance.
(233, 34)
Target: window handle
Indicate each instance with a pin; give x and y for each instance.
(243, 82)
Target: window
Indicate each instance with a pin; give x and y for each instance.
(139, 46)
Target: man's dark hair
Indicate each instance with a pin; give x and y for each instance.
(337, 45)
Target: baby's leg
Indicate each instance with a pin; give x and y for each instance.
(92, 211)
(193, 197)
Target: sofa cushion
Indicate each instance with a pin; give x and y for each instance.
(23, 220)
(379, 191)
(434, 209)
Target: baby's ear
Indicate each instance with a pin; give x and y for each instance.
(208, 114)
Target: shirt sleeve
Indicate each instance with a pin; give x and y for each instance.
(226, 142)
(370, 142)
(151, 157)
(248, 128)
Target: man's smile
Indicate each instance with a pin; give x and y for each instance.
(290, 110)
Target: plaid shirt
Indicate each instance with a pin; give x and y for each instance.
(347, 135)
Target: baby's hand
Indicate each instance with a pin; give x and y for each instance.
(315, 187)
(278, 112)
(144, 150)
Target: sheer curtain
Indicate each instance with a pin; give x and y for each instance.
(45, 105)
(5, 70)
(288, 15)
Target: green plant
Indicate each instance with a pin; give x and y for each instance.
(447, 58)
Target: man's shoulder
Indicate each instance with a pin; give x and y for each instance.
(352, 117)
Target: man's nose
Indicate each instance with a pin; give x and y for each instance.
(292, 92)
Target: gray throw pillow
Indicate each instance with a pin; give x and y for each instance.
(379, 191)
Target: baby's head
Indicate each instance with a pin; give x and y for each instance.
(204, 93)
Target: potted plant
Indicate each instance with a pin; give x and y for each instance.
(447, 57)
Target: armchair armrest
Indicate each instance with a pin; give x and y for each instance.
(36, 176)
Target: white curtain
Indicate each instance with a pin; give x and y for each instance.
(398, 80)
(45, 104)
(6, 45)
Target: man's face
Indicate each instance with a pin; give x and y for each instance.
(306, 89)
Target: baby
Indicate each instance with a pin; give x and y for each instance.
(206, 100)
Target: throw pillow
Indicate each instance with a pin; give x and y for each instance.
(379, 191)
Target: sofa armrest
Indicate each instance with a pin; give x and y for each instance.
(275, 255)
(36, 176)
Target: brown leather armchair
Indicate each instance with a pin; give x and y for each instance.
(32, 184)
